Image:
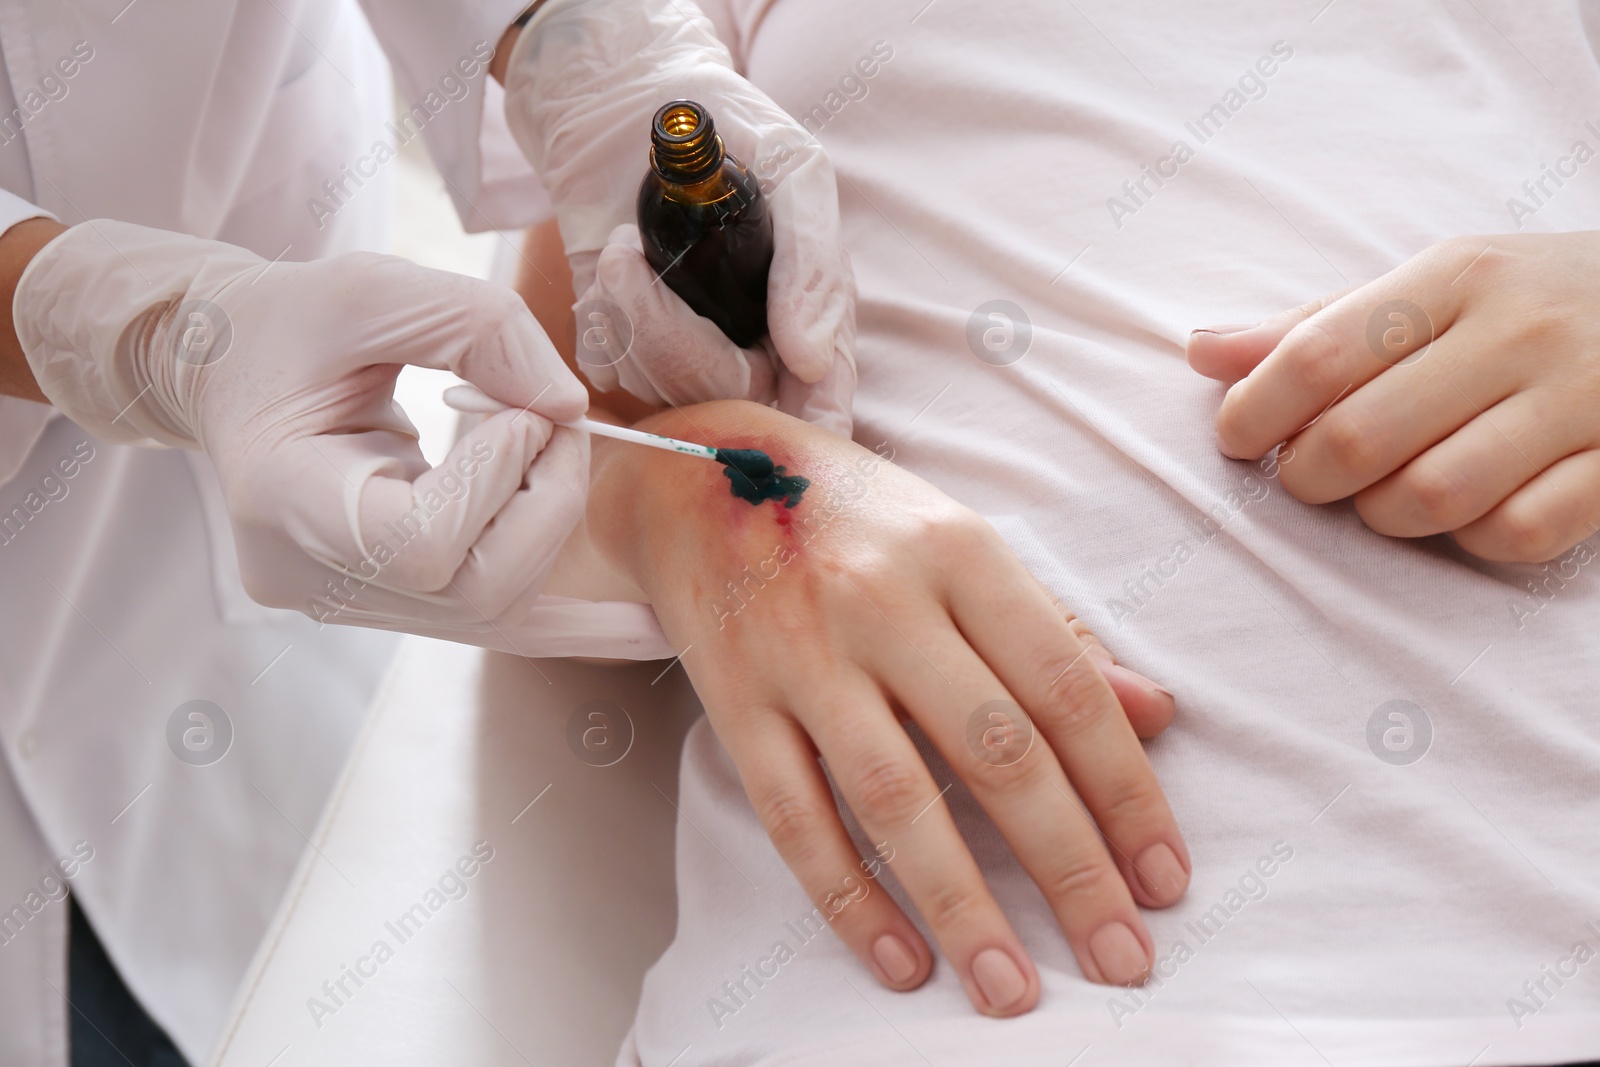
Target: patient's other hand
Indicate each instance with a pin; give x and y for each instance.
(1458, 393)
(810, 630)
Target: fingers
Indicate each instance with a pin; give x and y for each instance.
(509, 562)
(896, 801)
(1378, 428)
(420, 531)
(599, 343)
(790, 793)
(1337, 350)
(1149, 707)
(1466, 475)
(484, 333)
(1231, 351)
(811, 289)
(1548, 515)
(673, 355)
(986, 738)
(825, 403)
(1051, 674)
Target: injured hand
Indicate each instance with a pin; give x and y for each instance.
(813, 622)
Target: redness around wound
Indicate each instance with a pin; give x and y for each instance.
(754, 478)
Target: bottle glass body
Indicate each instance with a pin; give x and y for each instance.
(710, 240)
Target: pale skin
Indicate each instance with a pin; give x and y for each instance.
(882, 600)
(808, 671)
(909, 553)
(1480, 418)
(776, 723)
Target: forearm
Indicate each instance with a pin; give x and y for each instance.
(18, 246)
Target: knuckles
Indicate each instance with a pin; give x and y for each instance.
(1350, 445)
(889, 789)
(793, 823)
(1076, 697)
(1089, 878)
(950, 903)
(1313, 358)
(1517, 535)
(1439, 499)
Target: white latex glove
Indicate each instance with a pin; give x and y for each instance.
(284, 373)
(583, 83)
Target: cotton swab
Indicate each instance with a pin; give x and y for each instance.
(753, 464)
(639, 437)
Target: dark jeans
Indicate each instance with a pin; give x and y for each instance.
(109, 1028)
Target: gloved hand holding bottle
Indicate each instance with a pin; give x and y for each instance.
(283, 373)
(583, 81)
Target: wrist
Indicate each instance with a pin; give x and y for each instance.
(114, 322)
(18, 246)
(654, 514)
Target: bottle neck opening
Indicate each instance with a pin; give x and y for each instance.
(684, 146)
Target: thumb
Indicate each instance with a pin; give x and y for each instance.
(676, 355)
(811, 290)
(1229, 353)
(512, 360)
(826, 403)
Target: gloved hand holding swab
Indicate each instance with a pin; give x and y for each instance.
(754, 476)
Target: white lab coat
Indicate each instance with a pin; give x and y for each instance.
(119, 601)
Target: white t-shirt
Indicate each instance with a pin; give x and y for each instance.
(1386, 760)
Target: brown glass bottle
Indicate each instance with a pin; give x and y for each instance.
(704, 223)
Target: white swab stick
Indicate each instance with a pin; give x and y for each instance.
(469, 399)
(639, 437)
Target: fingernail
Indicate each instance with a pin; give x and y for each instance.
(999, 979)
(1119, 955)
(1225, 328)
(1160, 872)
(898, 962)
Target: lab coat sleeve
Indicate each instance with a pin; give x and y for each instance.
(14, 209)
(440, 52)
